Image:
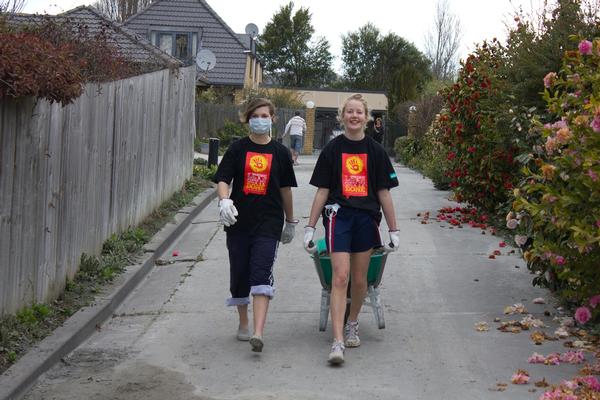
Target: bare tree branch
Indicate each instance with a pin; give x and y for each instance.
(120, 10)
(11, 6)
(442, 42)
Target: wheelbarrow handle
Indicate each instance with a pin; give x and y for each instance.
(311, 248)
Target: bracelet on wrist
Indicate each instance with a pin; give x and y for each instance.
(294, 221)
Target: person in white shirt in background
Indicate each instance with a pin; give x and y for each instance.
(295, 127)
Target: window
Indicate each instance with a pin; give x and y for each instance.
(182, 45)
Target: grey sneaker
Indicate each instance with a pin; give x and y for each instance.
(243, 334)
(336, 356)
(257, 343)
(351, 334)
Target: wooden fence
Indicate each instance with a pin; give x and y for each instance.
(71, 176)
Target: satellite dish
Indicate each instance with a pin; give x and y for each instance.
(252, 30)
(206, 60)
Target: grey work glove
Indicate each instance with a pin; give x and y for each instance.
(227, 212)
(289, 230)
(394, 242)
(309, 245)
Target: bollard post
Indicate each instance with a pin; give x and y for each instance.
(213, 151)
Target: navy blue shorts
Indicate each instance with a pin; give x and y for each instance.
(350, 230)
(251, 260)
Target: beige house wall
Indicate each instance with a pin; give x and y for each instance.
(253, 73)
(332, 99)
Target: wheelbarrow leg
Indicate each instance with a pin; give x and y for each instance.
(375, 301)
(325, 297)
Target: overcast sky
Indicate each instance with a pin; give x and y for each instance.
(480, 19)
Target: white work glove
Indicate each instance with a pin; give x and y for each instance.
(394, 242)
(309, 245)
(289, 230)
(228, 212)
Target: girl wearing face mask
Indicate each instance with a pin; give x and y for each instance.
(254, 181)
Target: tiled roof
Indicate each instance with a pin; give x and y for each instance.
(131, 46)
(213, 33)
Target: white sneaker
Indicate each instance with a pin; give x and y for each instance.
(336, 356)
(243, 334)
(257, 343)
(351, 334)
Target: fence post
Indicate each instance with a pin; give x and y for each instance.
(213, 151)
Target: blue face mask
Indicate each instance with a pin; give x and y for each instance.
(260, 126)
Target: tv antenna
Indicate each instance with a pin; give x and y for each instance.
(206, 60)
(252, 30)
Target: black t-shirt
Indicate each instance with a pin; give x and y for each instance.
(354, 171)
(258, 172)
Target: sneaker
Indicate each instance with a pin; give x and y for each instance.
(243, 334)
(336, 356)
(257, 343)
(351, 334)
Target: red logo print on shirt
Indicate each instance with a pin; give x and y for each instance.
(355, 181)
(256, 173)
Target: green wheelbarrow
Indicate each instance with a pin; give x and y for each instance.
(323, 266)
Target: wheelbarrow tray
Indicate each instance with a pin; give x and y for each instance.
(322, 262)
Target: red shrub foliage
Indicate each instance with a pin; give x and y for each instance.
(32, 66)
(54, 59)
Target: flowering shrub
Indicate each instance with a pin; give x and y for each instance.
(558, 203)
(478, 130)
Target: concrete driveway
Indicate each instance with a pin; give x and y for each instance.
(174, 339)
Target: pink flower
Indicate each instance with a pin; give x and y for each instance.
(592, 175)
(583, 315)
(520, 378)
(550, 145)
(552, 359)
(594, 301)
(585, 47)
(559, 124)
(502, 244)
(549, 79)
(596, 124)
(536, 358)
(591, 382)
(563, 135)
(520, 240)
(512, 223)
(573, 357)
(598, 223)
(559, 260)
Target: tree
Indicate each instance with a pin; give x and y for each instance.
(390, 63)
(360, 54)
(120, 10)
(443, 41)
(537, 44)
(11, 6)
(291, 57)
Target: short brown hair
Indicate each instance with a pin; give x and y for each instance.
(253, 105)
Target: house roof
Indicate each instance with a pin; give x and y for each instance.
(130, 45)
(213, 34)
